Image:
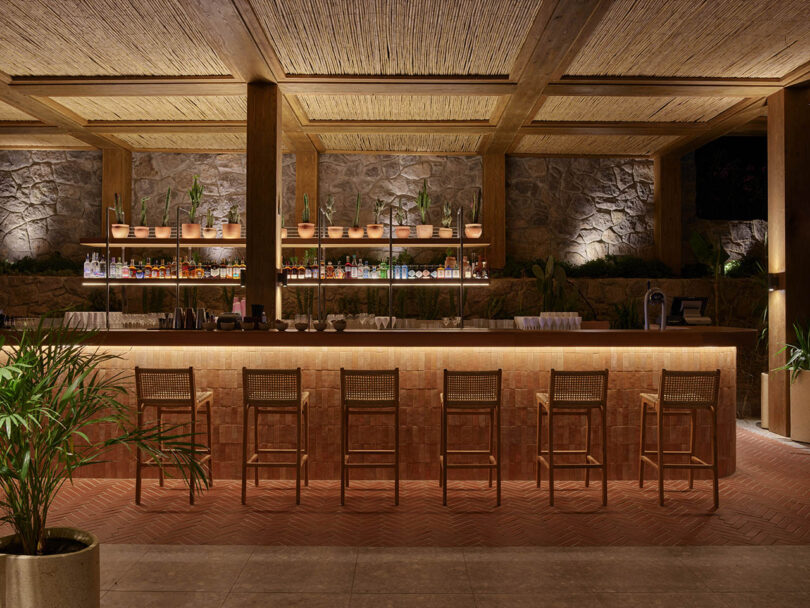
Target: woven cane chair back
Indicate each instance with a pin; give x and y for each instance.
(689, 390)
(472, 389)
(578, 389)
(369, 388)
(165, 386)
(271, 387)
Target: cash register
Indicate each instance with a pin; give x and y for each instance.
(688, 311)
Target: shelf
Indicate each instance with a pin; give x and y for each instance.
(162, 282)
(366, 243)
(386, 282)
(163, 243)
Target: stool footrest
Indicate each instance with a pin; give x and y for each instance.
(370, 451)
(491, 465)
(369, 465)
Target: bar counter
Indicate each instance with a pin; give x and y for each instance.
(634, 359)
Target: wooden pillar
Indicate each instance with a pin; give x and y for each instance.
(788, 235)
(494, 208)
(263, 204)
(116, 177)
(667, 201)
(306, 181)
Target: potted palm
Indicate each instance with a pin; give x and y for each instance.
(334, 232)
(473, 230)
(209, 231)
(798, 365)
(191, 230)
(61, 411)
(402, 230)
(375, 230)
(446, 231)
(142, 229)
(356, 230)
(306, 229)
(232, 229)
(120, 228)
(164, 231)
(424, 230)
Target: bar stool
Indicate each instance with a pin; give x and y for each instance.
(172, 391)
(472, 394)
(572, 394)
(274, 392)
(680, 394)
(368, 392)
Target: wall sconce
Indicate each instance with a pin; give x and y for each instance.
(776, 281)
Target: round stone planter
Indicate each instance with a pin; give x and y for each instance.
(335, 232)
(473, 231)
(68, 580)
(424, 231)
(209, 233)
(403, 232)
(306, 230)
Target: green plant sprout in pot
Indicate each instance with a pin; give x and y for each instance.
(424, 230)
(446, 231)
(209, 230)
(191, 230)
(375, 230)
(306, 229)
(798, 366)
(232, 229)
(474, 230)
(164, 231)
(356, 230)
(334, 232)
(119, 227)
(403, 231)
(142, 229)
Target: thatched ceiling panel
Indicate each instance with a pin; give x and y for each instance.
(185, 141)
(60, 142)
(158, 108)
(606, 145)
(397, 107)
(8, 112)
(400, 142)
(655, 109)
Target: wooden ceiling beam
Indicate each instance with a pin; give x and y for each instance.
(349, 87)
(394, 126)
(799, 76)
(612, 128)
(29, 128)
(128, 87)
(167, 126)
(633, 87)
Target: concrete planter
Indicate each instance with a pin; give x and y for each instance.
(163, 232)
(231, 231)
(69, 580)
(800, 408)
(424, 231)
(763, 400)
(190, 231)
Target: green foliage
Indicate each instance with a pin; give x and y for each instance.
(379, 206)
(400, 214)
(234, 217)
(708, 253)
(626, 315)
(329, 209)
(427, 303)
(53, 395)
(495, 304)
(226, 297)
(153, 299)
(625, 266)
(209, 219)
(142, 213)
(304, 299)
(423, 202)
(356, 223)
(475, 207)
(798, 354)
(164, 220)
(53, 265)
(118, 209)
(195, 195)
(551, 283)
(376, 301)
(447, 215)
(305, 213)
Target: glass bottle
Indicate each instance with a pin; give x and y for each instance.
(330, 270)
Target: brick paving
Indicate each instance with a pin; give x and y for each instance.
(767, 501)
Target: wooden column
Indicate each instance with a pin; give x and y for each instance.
(116, 177)
(306, 181)
(494, 208)
(263, 217)
(667, 200)
(788, 235)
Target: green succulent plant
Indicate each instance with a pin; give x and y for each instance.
(400, 214)
(379, 206)
(329, 209)
(142, 213)
(357, 212)
(164, 220)
(209, 219)
(423, 202)
(118, 210)
(447, 215)
(234, 217)
(195, 195)
(305, 214)
(475, 207)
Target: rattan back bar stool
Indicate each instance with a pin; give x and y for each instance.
(472, 393)
(274, 392)
(368, 392)
(173, 391)
(572, 394)
(682, 393)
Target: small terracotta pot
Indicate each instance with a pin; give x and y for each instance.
(374, 231)
(356, 232)
(445, 233)
(473, 231)
(231, 231)
(403, 232)
(119, 231)
(141, 232)
(209, 233)
(335, 232)
(306, 230)
(190, 231)
(424, 231)
(284, 233)
(163, 232)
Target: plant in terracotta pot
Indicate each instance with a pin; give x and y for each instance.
(798, 365)
(356, 230)
(142, 229)
(209, 230)
(402, 230)
(424, 230)
(119, 228)
(61, 410)
(164, 231)
(306, 229)
(473, 230)
(375, 230)
(334, 232)
(232, 229)
(446, 231)
(191, 230)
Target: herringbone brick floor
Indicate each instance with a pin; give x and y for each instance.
(767, 501)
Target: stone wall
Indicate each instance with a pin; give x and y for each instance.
(47, 200)
(578, 209)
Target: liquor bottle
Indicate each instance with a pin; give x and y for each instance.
(484, 270)
(330, 270)
(355, 272)
(348, 269)
(366, 270)
(236, 273)
(162, 270)
(133, 272)
(88, 267)
(307, 270)
(102, 268)
(314, 269)
(411, 272)
(340, 271)
(301, 270)
(383, 270)
(123, 269)
(214, 271)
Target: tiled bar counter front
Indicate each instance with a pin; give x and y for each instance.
(218, 360)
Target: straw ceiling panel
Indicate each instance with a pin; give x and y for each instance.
(158, 108)
(654, 109)
(8, 112)
(102, 37)
(400, 143)
(394, 37)
(642, 145)
(63, 142)
(713, 38)
(185, 141)
(397, 107)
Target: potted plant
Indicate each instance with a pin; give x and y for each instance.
(798, 365)
(120, 228)
(375, 230)
(446, 231)
(232, 229)
(402, 230)
(334, 232)
(356, 230)
(142, 229)
(424, 230)
(473, 230)
(192, 229)
(61, 411)
(209, 231)
(306, 229)
(164, 231)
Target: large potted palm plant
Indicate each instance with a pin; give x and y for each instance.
(798, 366)
(54, 393)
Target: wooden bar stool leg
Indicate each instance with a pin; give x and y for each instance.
(343, 423)
(256, 445)
(396, 456)
(498, 457)
(716, 488)
(306, 465)
(245, 419)
(660, 420)
(603, 411)
(138, 460)
(441, 443)
(298, 457)
(346, 432)
(444, 456)
(491, 439)
(210, 448)
(551, 456)
(161, 474)
(692, 432)
(538, 470)
(641, 444)
(193, 454)
(587, 446)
